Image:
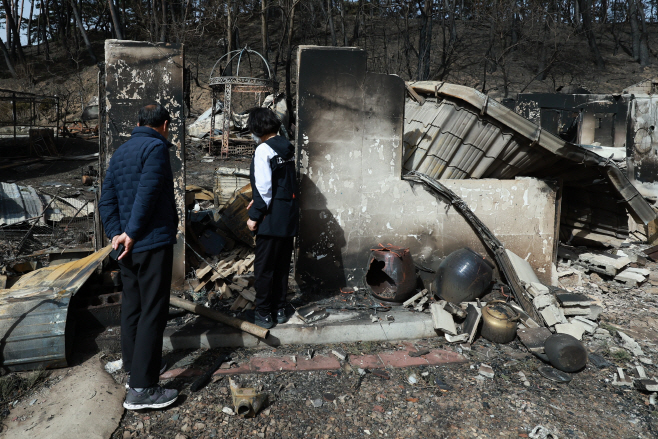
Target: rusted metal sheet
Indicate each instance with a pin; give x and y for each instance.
(34, 329)
(139, 73)
(464, 134)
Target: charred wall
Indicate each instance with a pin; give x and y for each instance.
(349, 131)
(136, 74)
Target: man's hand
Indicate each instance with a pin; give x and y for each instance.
(127, 242)
(252, 225)
(251, 203)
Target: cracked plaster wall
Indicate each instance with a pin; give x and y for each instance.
(139, 73)
(349, 132)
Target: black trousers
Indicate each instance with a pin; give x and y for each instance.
(146, 278)
(271, 269)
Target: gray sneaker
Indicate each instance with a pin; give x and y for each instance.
(151, 398)
(163, 368)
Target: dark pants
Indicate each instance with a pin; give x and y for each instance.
(271, 268)
(146, 278)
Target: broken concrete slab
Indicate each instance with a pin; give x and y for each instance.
(442, 319)
(57, 412)
(594, 312)
(588, 325)
(641, 271)
(607, 264)
(621, 379)
(472, 322)
(575, 330)
(576, 310)
(537, 289)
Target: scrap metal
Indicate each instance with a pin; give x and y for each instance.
(35, 331)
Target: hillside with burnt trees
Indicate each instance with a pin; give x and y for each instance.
(500, 47)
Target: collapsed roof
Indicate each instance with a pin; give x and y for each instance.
(455, 132)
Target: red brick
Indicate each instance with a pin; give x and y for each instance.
(401, 359)
(243, 368)
(317, 363)
(440, 356)
(175, 373)
(366, 361)
(271, 364)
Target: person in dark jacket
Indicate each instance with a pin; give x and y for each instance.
(138, 210)
(273, 216)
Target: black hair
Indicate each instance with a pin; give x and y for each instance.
(153, 115)
(263, 121)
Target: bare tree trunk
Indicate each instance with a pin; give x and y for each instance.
(357, 23)
(29, 24)
(83, 32)
(263, 28)
(645, 60)
(330, 14)
(342, 21)
(585, 10)
(118, 29)
(11, 24)
(19, 20)
(291, 29)
(229, 26)
(635, 29)
(46, 26)
(10, 65)
(425, 41)
(163, 27)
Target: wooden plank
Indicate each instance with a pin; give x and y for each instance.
(249, 294)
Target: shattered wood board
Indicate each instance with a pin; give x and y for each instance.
(139, 73)
(351, 193)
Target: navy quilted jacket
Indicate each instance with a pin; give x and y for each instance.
(138, 192)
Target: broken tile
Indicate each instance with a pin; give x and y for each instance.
(588, 325)
(541, 302)
(576, 310)
(604, 264)
(552, 315)
(442, 319)
(570, 328)
(630, 344)
(629, 278)
(641, 271)
(486, 371)
(456, 338)
(537, 289)
(533, 338)
(573, 299)
(472, 322)
(523, 269)
(594, 312)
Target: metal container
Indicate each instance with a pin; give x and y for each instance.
(499, 322)
(463, 276)
(391, 274)
(565, 352)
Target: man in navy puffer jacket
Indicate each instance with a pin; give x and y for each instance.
(138, 210)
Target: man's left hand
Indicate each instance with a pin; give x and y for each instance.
(252, 225)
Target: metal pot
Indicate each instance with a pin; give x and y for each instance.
(565, 352)
(463, 276)
(391, 274)
(499, 322)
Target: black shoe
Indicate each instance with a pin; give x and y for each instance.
(253, 316)
(150, 398)
(284, 314)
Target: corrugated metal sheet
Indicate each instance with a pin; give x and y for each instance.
(227, 183)
(18, 203)
(460, 133)
(33, 314)
(67, 208)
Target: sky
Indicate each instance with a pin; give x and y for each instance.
(26, 15)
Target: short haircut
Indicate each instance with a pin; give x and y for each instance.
(153, 115)
(263, 121)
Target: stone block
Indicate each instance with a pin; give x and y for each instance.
(572, 329)
(604, 264)
(629, 278)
